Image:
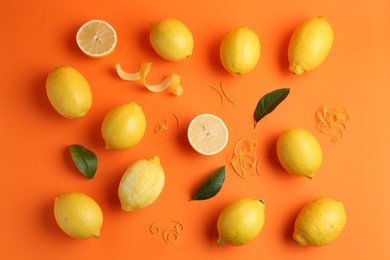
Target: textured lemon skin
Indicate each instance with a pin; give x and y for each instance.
(240, 50)
(240, 222)
(320, 222)
(171, 39)
(141, 184)
(124, 126)
(78, 215)
(68, 92)
(309, 45)
(299, 152)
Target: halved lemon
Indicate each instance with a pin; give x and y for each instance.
(207, 134)
(96, 38)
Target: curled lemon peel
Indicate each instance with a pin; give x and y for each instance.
(332, 121)
(243, 159)
(171, 82)
(170, 234)
(127, 75)
(176, 88)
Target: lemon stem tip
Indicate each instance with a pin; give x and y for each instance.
(299, 240)
(220, 242)
(155, 159)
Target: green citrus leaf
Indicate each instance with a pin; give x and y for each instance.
(84, 159)
(269, 102)
(211, 186)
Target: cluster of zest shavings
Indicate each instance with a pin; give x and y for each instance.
(221, 92)
(163, 126)
(332, 121)
(171, 82)
(169, 234)
(244, 159)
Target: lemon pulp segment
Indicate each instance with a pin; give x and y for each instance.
(96, 38)
(207, 134)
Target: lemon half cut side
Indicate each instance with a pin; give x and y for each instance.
(96, 38)
(207, 134)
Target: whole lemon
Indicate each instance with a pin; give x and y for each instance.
(171, 39)
(68, 92)
(309, 45)
(240, 222)
(320, 222)
(124, 126)
(78, 215)
(141, 184)
(299, 152)
(240, 50)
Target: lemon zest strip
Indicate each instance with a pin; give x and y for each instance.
(243, 159)
(170, 235)
(332, 121)
(220, 94)
(178, 123)
(177, 127)
(257, 165)
(224, 93)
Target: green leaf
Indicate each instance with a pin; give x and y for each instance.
(211, 186)
(84, 159)
(269, 102)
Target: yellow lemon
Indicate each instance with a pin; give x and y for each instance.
(309, 45)
(299, 152)
(124, 126)
(207, 134)
(141, 184)
(320, 222)
(68, 92)
(240, 50)
(171, 39)
(96, 38)
(240, 222)
(78, 215)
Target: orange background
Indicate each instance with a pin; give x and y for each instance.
(36, 165)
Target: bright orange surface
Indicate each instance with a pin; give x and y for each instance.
(36, 165)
